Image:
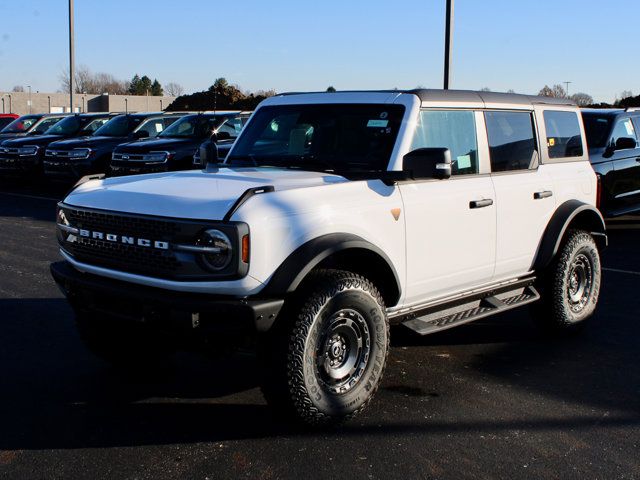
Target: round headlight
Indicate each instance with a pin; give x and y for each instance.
(221, 252)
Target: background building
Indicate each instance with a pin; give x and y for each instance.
(23, 103)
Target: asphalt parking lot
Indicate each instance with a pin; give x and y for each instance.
(493, 399)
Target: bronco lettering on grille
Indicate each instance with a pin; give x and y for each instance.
(111, 237)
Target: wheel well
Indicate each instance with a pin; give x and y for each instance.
(589, 221)
(368, 264)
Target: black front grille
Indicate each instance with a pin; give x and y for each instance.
(115, 254)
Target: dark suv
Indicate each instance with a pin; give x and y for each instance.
(77, 157)
(612, 137)
(25, 154)
(25, 125)
(174, 149)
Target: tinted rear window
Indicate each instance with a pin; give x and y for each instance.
(597, 128)
(563, 134)
(512, 141)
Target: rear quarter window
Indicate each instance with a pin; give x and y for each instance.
(564, 139)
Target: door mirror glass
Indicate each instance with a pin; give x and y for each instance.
(141, 134)
(428, 163)
(624, 143)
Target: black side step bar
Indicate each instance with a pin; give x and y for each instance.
(473, 310)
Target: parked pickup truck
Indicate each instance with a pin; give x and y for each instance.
(73, 158)
(174, 148)
(333, 216)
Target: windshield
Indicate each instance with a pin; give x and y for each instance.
(68, 126)
(326, 137)
(46, 124)
(120, 126)
(22, 124)
(597, 128)
(193, 126)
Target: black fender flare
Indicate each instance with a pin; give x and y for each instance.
(306, 257)
(564, 215)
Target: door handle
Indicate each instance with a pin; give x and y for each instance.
(543, 194)
(480, 203)
(638, 159)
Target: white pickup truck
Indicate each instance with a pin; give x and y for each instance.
(333, 216)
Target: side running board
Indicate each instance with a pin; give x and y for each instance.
(471, 311)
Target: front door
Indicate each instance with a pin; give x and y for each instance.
(450, 224)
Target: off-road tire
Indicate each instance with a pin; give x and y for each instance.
(570, 286)
(316, 325)
(121, 343)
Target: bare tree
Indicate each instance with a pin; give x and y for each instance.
(18, 88)
(582, 99)
(511, 90)
(557, 91)
(95, 83)
(173, 89)
(626, 94)
(485, 89)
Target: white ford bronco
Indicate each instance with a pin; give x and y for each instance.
(333, 216)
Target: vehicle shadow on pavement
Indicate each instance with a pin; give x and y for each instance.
(56, 395)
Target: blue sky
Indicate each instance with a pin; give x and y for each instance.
(309, 45)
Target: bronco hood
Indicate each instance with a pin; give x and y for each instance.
(87, 142)
(189, 194)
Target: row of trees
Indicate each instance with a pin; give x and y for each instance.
(220, 96)
(87, 81)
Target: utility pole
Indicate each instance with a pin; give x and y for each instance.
(567, 89)
(71, 56)
(448, 44)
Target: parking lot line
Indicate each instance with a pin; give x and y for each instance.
(38, 197)
(621, 271)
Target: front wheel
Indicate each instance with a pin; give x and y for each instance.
(325, 364)
(571, 285)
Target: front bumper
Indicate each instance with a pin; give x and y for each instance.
(204, 312)
(131, 168)
(19, 163)
(64, 168)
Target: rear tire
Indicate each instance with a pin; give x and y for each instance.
(323, 364)
(571, 285)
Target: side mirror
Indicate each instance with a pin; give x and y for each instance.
(208, 153)
(425, 163)
(140, 134)
(221, 136)
(624, 143)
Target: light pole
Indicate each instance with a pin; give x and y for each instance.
(71, 56)
(567, 90)
(29, 87)
(448, 44)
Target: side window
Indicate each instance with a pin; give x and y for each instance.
(153, 127)
(46, 124)
(455, 130)
(512, 141)
(233, 126)
(563, 134)
(623, 129)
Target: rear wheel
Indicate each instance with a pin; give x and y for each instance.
(324, 363)
(571, 286)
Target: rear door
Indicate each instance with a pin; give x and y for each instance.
(524, 191)
(450, 224)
